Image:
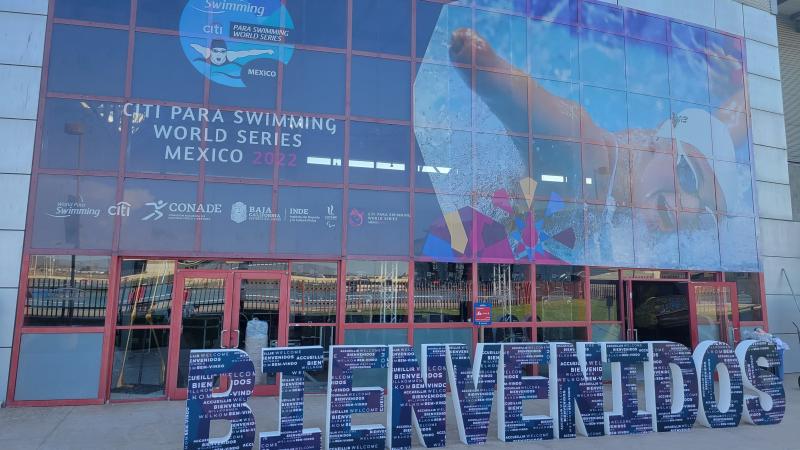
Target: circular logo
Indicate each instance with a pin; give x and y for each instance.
(237, 43)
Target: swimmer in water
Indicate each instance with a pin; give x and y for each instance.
(219, 55)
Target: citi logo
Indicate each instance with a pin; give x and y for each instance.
(122, 209)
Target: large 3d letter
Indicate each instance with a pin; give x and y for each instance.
(578, 380)
(473, 389)
(292, 363)
(203, 406)
(344, 401)
(626, 418)
(768, 406)
(423, 391)
(512, 425)
(671, 387)
(718, 357)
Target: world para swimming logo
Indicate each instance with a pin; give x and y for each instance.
(237, 43)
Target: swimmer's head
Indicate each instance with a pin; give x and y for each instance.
(219, 52)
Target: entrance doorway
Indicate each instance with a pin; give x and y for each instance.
(661, 312)
(683, 312)
(222, 309)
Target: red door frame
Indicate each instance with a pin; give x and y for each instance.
(283, 317)
(734, 305)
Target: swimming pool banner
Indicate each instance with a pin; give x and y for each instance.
(715, 385)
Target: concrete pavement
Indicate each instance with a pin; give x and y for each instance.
(159, 425)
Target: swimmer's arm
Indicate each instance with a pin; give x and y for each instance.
(205, 52)
(233, 56)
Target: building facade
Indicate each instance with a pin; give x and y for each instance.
(189, 174)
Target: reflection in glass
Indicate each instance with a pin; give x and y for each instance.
(729, 132)
(442, 292)
(504, 335)
(560, 294)
(609, 231)
(607, 109)
(379, 154)
(435, 25)
(66, 291)
(203, 321)
(606, 175)
(75, 69)
(316, 381)
(507, 288)
(714, 314)
(558, 10)
(602, 59)
(319, 22)
(557, 169)
(140, 364)
(82, 135)
(650, 123)
(438, 336)
(644, 26)
(687, 36)
(145, 292)
(688, 76)
(505, 34)
(382, 27)
(312, 298)
(553, 51)
(655, 233)
(564, 121)
(648, 69)
(384, 88)
(377, 292)
(606, 332)
(442, 101)
(748, 294)
(737, 243)
(314, 83)
(726, 85)
(162, 71)
(602, 17)
(258, 321)
(204, 264)
(604, 289)
(561, 335)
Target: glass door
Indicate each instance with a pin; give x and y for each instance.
(715, 313)
(260, 314)
(203, 322)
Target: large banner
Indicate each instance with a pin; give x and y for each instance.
(715, 386)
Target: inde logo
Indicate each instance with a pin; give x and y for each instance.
(237, 43)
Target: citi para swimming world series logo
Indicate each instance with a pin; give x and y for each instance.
(237, 43)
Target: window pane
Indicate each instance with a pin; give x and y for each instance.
(382, 27)
(508, 289)
(650, 122)
(244, 225)
(606, 332)
(435, 25)
(442, 226)
(737, 242)
(145, 292)
(557, 169)
(604, 289)
(66, 291)
(319, 22)
(561, 335)
(645, 26)
(555, 108)
(379, 154)
(505, 34)
(75, 212)
(75, 69)
(46, 360)
(655, 233)
(438, 336)
(687, 36)
(165, 14)
(606, 175)
(316, 381)
(730, 136)
(383, 88)
(140, 364)
(559, 10)
(688, 76)
(652, 185)
(553, 51)
(602, 17)
(162, 71)
(609, 231)
(203, 319)
(560, 294)
(724, 45)
(377, 216)
(442, 97)
(309, 212)
(726, 83)
(109, 11)
(501, 163)
(317, 157)
(377, 292)
(699, 240)
(648, 69)
(444, 161)
(203, 264)
(442, 292)
(607, 110)
(696, 183)
(313, 293)
(734, 188)
(314, 83)
(602, 59)
(374, 377)
(81, 135)
(504, 335)
(559, 231)
(748, 292)
(504, 105)
(160, 215)
(504, 228)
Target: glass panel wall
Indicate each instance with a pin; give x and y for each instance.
(560, 295)
(377, 292)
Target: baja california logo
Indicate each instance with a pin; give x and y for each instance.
(237, 43)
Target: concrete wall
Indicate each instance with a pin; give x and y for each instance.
(22, 31)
